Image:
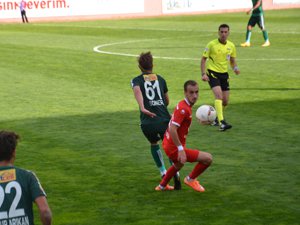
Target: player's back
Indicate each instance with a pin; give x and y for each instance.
(153, 88)
(18, 189)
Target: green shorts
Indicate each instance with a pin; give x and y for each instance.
(259, 20)
(154, 131)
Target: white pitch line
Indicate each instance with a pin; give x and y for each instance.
(159, 29)
(97, 49)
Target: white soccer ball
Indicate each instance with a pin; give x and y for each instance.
(206, 113)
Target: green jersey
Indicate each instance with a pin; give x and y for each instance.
(259, 10)
(18, 189)
(153, 88)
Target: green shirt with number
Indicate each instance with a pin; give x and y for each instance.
(18, 190)
(153, 88)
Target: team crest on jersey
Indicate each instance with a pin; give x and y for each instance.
(7, 175)
(182, 111)
(150, 77)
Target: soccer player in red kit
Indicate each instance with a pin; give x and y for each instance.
(175, 139)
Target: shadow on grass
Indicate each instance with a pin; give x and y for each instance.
(96, 167)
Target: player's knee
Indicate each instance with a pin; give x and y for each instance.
(178, 165)
(206, 159)
(209, 159)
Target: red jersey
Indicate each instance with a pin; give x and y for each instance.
(182, 117)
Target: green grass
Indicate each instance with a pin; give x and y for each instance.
(79, 121)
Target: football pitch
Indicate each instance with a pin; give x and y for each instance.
(65, 88)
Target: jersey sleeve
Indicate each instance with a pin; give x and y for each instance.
(233, 53)
(207, 50)
(135, 82)
(178, 115)
(165, 87)
(35, 186)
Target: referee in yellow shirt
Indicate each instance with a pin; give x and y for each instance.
(214, 68)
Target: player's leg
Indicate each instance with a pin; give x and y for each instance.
(225, 99)
(151, 134)
(215, 85)
(176, 178)
(22, 15)
(218, 102)
(261, 24)
(250, 25)
(25, 16)
(171, 172)
(204, 160)
(158, 158)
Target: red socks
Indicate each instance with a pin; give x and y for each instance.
(198, 169)
(170, 173)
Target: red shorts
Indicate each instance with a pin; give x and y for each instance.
(172, 153)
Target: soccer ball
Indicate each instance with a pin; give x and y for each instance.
(206, 113)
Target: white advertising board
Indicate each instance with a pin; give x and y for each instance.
(286, 1)
(178, 6)
(55, 8)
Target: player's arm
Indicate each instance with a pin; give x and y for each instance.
(203, 69)
(44, 210)
(174, 135)
(254, 7)
(167, 98)
(234, 66)
(140, 100)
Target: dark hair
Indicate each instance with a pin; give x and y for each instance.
(189, 82)
(8, 143)
(145, 61)
(224, 26)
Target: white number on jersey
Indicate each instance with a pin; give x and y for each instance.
(13, 211)
(150, 89)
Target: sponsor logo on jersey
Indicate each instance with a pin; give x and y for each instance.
(7, 175)
(150, 77)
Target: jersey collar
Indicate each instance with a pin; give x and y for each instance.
(187, 101)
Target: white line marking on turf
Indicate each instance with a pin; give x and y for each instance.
(97, 49)
(158, 29)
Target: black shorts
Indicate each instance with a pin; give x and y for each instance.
(154, 131)
(218, 79)
(259, 20)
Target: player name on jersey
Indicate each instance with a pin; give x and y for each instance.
(15, 221)
(155, 103)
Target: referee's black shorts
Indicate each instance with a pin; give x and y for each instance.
(218, 79)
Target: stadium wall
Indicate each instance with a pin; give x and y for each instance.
(53, 10)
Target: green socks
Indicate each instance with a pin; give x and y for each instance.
(158, 158)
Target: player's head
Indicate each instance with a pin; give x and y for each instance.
(191, 91)
(145, 62)
(223, 32)
(8, 144)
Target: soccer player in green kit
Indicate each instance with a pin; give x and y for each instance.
(257, 17)
(214, 67)
(19, 188)
(151, 93)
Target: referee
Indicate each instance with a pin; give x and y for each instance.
(214, 68)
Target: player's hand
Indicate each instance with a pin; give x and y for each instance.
(237, 72)
(148, 113)
(181, 157)
(249, 11)
(203, 122)
(205, 77)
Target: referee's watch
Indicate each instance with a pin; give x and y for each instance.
(203, 74)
